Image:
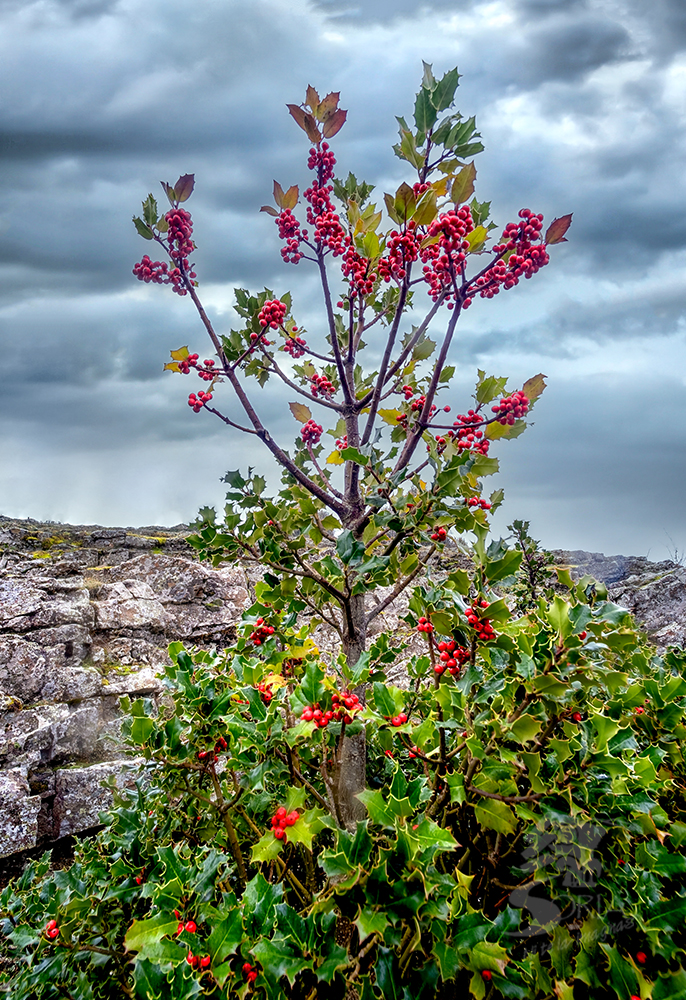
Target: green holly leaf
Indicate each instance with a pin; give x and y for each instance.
(143, 933)
(495, 815)
(267, 848)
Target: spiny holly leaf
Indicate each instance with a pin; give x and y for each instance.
(267, 848)
(328, 105)
(179, 354)
(495, 815)
(443, 94)
(477, 238)
(312, 99)
(533, 387)
(143, 230)
(150, 210)
(557, 229)
(184, 187)
(334, 123)
(143, 933)
(390, 416)
(172, 367)
(306, 122)
(301, 412)
(463, 185)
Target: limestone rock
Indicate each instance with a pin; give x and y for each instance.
(18, 813)
(80, 796)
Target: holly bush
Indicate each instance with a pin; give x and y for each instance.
(525, 815)
(506, 823)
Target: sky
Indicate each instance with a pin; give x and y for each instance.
(582, 107)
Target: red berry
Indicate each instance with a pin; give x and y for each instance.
(577, 716)
(247, 967)
(640, 710)
(641, 957)
(205, 961)
(487, 975)
(191, 926)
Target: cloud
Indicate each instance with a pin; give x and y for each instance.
(581, 107)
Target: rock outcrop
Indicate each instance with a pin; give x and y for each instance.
(86, 615)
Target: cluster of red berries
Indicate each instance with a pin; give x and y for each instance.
(198, 962)
(220, 745)
(478, 502)
(425, 625)
(283, 819)
(261, 632)
(186, 364)
(408, 391)
(266, 693)
(452, 658)
(189, 926)
(179, 234)
(525, 258)
(439, 535)
(321, 384)
(342, 443)
(466, 434)
(397, 720)
(159, 273)
(357, 269)
(323, 161)
(289, 230)
(342, 706)
(272, 313)
(207, 376)
(443, 260)
(318, 197)
(295, 346)
(403, 249)
(328, 229)
(418, 405)
(197, 402)
(258, 340)
(311, 432)
(481, 626)
(250, 972)
(51, 930)
(511, 408)
(419, 188)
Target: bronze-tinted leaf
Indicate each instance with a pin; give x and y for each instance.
(334, 123)
(313, 133)
(298, 114)
(184, 187)
(557, 229)
(278, 194)
(312, 99)
(301, 412)
(169, 191)
(534, 386)
(328, 105)
(463, 185)
(290, 199)
(269, 210)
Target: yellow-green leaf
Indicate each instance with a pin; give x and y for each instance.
(334, 458)
(301, 412)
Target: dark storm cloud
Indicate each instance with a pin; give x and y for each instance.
(105, 99)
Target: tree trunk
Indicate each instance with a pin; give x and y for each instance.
(352, 773)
